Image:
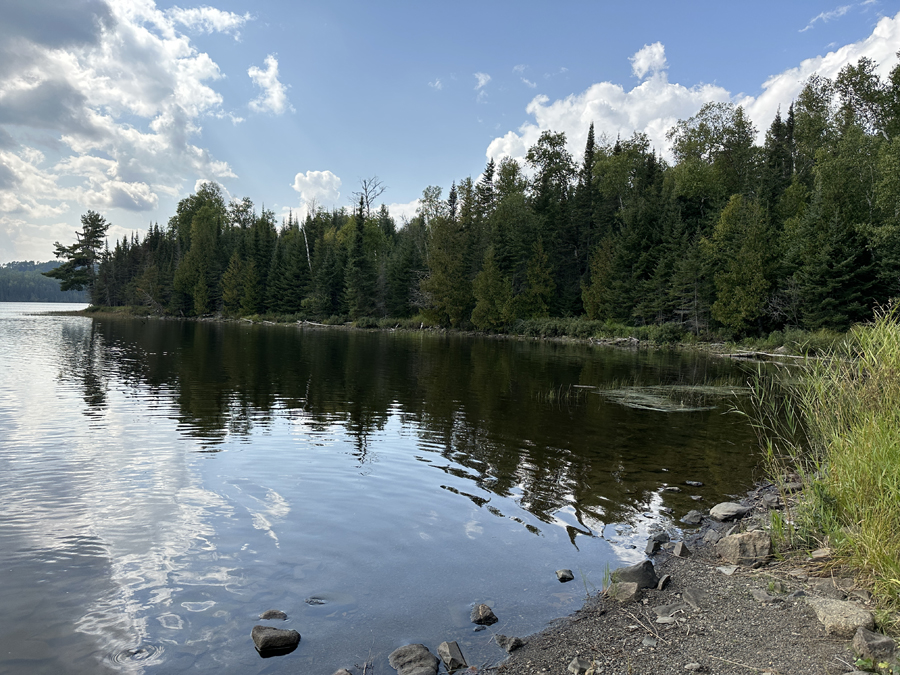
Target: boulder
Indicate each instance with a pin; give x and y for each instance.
(271, 641)
(692, 518)
(643, 574)
(750, 548)
(510, 644)
(564, 575)
(452, 656)
(840, 618)
(871, 645)
(728, 511)
(273, 614)
(483, 616)
(624, 591)
(414, 660)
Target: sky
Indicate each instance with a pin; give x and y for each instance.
(124, 107)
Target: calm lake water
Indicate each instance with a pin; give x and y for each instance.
(164, 482)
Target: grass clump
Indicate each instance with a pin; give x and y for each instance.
(838, 425)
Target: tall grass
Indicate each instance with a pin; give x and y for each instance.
(838, 424)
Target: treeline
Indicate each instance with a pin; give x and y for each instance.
(24, 282)
(802, 230)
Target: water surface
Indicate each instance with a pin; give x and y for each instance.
(164, 482)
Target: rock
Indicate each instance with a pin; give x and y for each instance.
(693, 483)
(761, 596)
(483, 615)
(663, 582)
(771, 501)
(671, 488)
(273, 614)
(579, 666)
(792, 487)
(342, 671)
(727, 570)
(624, 591)
(712, 536)
(666, 619)
(728, 511)
(681, 550)
(840, 618)
(271, 641)
(825, 588)
(695, 597)
(750, 548)
(693, 666)
(564, 575)
(821, 554)
(510, 644)
(692, 518)
(452, 656)
(697, 498)
(862, 595)
(643, 574)
(414, 660)
(655, 542)
(648, 642)
(671, 610)
(871, 645)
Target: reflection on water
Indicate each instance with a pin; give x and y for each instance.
(165, 482)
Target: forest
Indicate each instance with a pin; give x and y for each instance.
(734, 235)
(23, 281)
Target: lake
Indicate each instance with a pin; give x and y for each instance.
(162, 483)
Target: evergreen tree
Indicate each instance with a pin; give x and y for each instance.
(79, 271)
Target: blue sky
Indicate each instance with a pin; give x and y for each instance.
(122, 106)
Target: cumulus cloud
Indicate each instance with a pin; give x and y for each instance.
(273, 97)
(649, 59)
(403, 213)
(655, 104)
(321, 186)
(209, 20)
(115, 93)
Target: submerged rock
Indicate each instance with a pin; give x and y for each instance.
(273, 614)
(414, 660)
(564, 575)
(483, 615)
(271, 641)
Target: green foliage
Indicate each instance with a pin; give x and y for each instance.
(25, 282)
(78, 272)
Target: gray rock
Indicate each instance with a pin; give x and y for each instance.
(792, 487)
(712, 536)
(655, 542)
(671, 610)
(693, 483)
(648, 642)
(771, 501)
(273, 614)
(727, 570)
(663, 582)
(414, 660)
(750, 548)
(692, 518)
(825, 588)
(695, 597)
(483, 615)
(728, 511)
(624, 591)
(579, 666)
(452, 656)
(871, 645)
(761, 596)
(274, 640)
(643, 574)
(681, 550)
(671, 488)
(693, 666)
(840, 618)
(564, 575)
(342, 671)
(697, 498)
(510, 644)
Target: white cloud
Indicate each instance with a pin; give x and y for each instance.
(483, 79)
(649, 59)
(403, 213)
(655, 104)
(273, 98)
(322, 186)
(825, 17)
(437, 84)
(117, 107)
(519, 69)
(209, 20)
(529, 83)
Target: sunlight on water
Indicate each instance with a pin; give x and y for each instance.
(164, 482)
